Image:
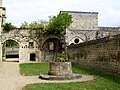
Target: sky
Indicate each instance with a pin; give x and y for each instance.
(18, 11)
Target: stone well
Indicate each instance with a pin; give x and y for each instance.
(60, 68)
(60, 71)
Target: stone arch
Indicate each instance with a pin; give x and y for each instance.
(50, 47)
(11, 39)
(50, 37)
(10, 52)
(24, 42)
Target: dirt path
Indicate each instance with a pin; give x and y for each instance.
(10, 78)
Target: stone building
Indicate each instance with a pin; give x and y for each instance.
(28, 48)
(83, 28)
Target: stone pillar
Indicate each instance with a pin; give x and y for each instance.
(0, 37)
(20, 54)
(38, 55)
(1, 18)
(23, 54)
(0, 51)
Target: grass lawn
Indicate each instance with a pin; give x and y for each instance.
(103, 81)
(29, 69)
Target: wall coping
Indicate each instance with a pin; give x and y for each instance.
(79, 12)
(97, 41)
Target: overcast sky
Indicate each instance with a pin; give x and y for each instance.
(19, 11)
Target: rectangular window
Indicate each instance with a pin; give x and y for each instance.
(31, 45)
(51, 45)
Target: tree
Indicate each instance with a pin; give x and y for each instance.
(58, 24)
(8, 27)
(34, 25)
(24, 25)
(38, 26)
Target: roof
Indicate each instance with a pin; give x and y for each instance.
(80, 12)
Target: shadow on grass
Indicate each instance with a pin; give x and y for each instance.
(97, 73)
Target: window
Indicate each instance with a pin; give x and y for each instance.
(76, 40)
(32, 57)
(31, 45)
(51, 45)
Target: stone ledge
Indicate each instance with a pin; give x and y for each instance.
(52, 77)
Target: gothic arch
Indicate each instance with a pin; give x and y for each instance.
(72, 40)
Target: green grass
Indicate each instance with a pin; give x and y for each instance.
(29, 69)
(103, 81)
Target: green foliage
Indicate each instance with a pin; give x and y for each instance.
(10, 43)
(61, 57)
(34, 25)
(24, 25)
(103, 81)
(58, 24)
(37, 28)
(8, 27)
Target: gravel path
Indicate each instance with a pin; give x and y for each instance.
(10, 78)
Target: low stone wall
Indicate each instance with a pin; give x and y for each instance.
(101, 54)
(60, 68)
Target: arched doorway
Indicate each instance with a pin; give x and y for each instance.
(10, 50)
(50, 48)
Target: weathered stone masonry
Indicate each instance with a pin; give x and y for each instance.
(101, 54)
(83, 28)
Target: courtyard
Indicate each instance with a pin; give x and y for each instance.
(15, 76)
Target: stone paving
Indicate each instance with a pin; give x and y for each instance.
(10, 78)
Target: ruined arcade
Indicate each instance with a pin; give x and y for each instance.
(84, 28)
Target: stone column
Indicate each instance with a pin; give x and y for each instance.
(0, 51)
(23, 53)
(0, 38)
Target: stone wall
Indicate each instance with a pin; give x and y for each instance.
(84, 20)
(101, 54)
(85, 28)
(27, 45)
(109, 28)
